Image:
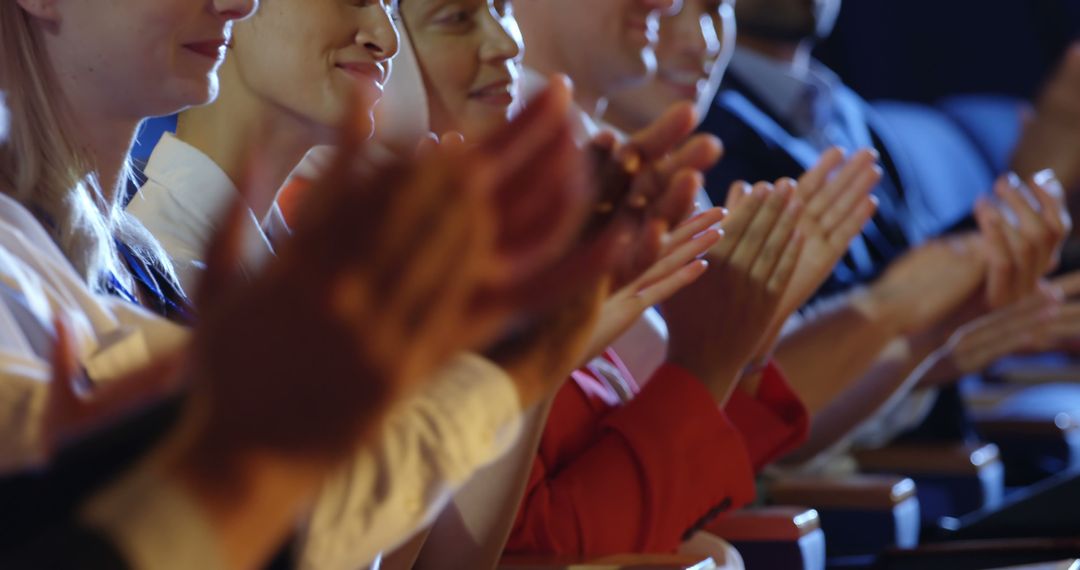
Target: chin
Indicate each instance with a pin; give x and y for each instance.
(484, 121)
(183, 94)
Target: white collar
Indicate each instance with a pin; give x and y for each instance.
(184, 200)
(198, 186)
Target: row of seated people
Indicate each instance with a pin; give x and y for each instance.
(970, 177)
(661, 434)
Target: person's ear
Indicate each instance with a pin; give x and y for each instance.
(46, 10)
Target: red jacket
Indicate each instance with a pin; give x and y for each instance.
(613, 477)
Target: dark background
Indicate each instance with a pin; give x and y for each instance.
(921, 50)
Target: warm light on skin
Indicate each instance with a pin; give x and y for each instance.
(469, 52)
(308, 58)
(160, 57)
(294, 73)
(695, 47)
(604, 46)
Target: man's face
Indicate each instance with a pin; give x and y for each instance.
(791, 20)
(604, 45)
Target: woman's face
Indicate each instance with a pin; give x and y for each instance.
(694, 48)
(138, 58)
(469, 53)
(311, 57)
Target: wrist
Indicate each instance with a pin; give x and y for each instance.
(751, 375)
(719, 379)
(879, 305)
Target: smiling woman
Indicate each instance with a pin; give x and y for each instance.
(103, 75)
(469, 53)
(293, 73)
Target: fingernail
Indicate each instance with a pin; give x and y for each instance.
(1044, 177)
(1013, 179)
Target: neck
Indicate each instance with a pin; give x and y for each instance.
(107, 146)
(105, 138)
(590, 101)
(225, 129)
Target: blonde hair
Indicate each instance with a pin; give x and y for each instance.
(45, 171)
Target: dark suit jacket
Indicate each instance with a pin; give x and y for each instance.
(759, 145)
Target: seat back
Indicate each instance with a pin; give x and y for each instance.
(943, 170)
(774, 537)
(861, 515)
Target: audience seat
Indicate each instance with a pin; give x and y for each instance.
(707, 545)
(1036, 425)
(860, 515)
(774, 537)
(952, 479)
(992, 122)
(952, 172)
(1045, 509)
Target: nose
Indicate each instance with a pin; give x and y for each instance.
(378, 35)
(500, 43)
(234, 9)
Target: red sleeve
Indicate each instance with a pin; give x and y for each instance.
(772, 424)
(657, 466)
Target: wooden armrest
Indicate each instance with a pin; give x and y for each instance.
(856, 492)
(946, 459)
(1061, 425)
(616, 562)
(766, 524)
(704, 544)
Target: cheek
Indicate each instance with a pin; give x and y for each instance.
(450, 70)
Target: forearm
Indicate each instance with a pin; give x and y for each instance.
(831, 350)
(896, 371)
(468, 417)
(473, 529)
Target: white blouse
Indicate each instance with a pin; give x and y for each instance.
(112, 337)
(467, 417)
